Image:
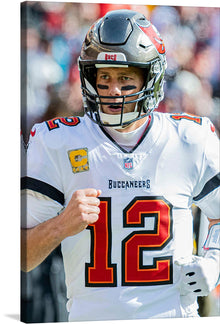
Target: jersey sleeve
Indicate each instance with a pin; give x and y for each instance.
(207, 190)
(42, 192)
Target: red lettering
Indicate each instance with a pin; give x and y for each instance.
(110, 57)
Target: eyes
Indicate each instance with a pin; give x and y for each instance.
(120, 78)
(125, 79)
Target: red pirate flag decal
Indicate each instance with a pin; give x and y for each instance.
(154, 37)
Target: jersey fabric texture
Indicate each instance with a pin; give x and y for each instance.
(122, 266)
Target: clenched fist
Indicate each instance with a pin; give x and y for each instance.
(82, 210)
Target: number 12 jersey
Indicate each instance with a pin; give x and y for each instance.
(123, 266)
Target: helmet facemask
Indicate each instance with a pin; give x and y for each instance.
(146, 100)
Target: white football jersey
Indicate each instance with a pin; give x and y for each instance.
(122, 266)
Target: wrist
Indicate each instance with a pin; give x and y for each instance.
(212, 250)
(213, 238)
(61, 225)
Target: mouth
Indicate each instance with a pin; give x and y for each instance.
(115, 108)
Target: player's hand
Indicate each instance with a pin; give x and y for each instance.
(82, 210)
(198, 276)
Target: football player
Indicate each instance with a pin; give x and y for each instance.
(116, 186)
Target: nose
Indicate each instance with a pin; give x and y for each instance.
(114, 88)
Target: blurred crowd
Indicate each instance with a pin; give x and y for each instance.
(51, 37)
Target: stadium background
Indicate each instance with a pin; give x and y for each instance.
(51, 37)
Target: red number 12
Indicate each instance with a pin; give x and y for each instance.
(102, 272)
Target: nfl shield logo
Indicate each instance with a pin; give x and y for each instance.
(128, 163)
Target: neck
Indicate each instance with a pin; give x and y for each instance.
(130, 136)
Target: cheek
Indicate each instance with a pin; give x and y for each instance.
(124, 88)
(102, 87)
(128, 87)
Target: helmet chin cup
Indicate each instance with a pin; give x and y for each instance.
(115, 120)
(138, 44)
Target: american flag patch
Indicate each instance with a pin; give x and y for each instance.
(128, 163)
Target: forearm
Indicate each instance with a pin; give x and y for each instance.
(38, 242)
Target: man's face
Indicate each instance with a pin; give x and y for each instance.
(117, 81)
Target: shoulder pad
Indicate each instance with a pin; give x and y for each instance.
(52, 132)
(35, 133)
(58, 122)
(192, 129)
